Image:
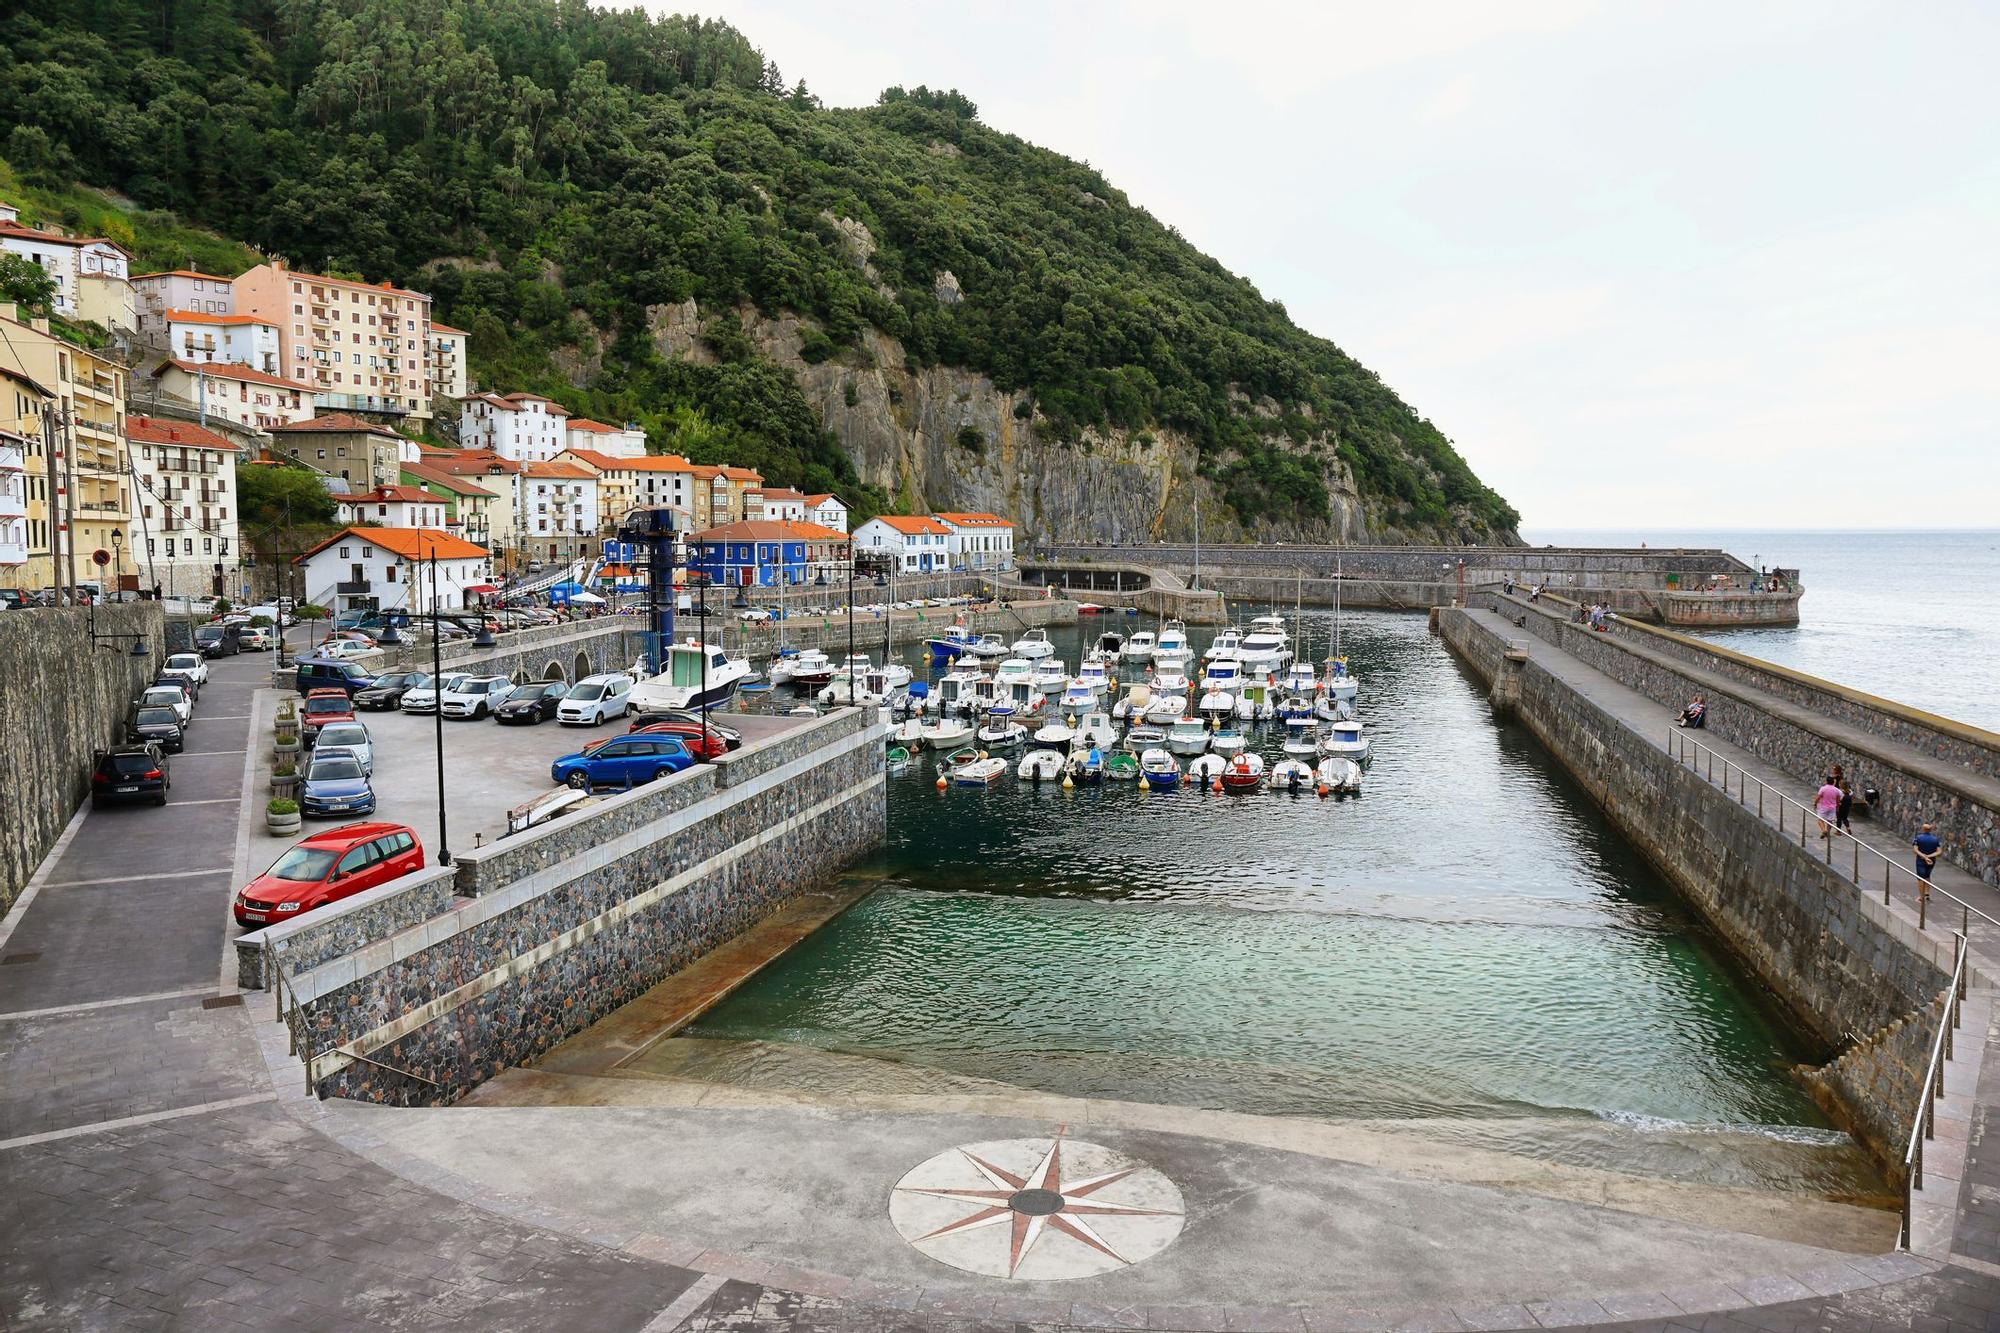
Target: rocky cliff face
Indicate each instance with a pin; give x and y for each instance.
(945, 438)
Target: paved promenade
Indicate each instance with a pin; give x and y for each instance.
(162, 1169)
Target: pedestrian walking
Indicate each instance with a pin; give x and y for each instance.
(1828, 803)
(1926, 846)
(1846, 807)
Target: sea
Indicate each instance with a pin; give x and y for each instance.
(1897, 614)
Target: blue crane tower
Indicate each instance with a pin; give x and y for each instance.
(652, 530)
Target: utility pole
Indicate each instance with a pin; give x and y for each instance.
(69, 496)
(50, 509)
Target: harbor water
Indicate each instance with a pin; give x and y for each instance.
(1466, 951)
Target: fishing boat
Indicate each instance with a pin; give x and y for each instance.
(1245, 772)
(1139, 648)
(1172, 645)
(1096, 673)
(1140, 739)
(1187, 735)
(1054, 733)
(1052, 675)
(1225, 674)
(987, 647)
(1227, 742)
(1301, 738)
(1040, 765)
(943, 733)
(1329, 709)
(1110, 645)
(1016, 684)
(1077, 697)
(1096, 729)
(978, 773)
(954, 689)
(1121, 766)
(1295, 707)
(1133, 703)
(1085, 767)
(949, 645)
(1256, 704)
(1001, 731)
(1159, 770)
(1214, 704)
(1227, 647)
(801, 666)
(1339, 775)
(986, 694)
(698, 675)
(1204, 769)
(1171, 678)
(1299, 679)
(1291, 775)
(1033, 645)
(1167, 709)
(1344, 740)
(1338, 684)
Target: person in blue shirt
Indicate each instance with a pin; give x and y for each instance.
(1926, 846)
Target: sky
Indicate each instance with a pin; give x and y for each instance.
(1647, 264)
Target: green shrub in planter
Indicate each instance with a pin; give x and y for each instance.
(282, 805)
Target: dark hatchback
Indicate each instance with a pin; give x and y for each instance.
(156, 726)
(386, 694)
(129, 773)
(218, 641)
(532, 703)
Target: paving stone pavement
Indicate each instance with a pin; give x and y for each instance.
(247, 1216)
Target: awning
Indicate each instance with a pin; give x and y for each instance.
(482, 587)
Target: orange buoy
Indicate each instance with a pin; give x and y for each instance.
(1322, 789)
(941, 783)
(1216, 786)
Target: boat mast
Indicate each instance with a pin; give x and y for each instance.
(1336, 604)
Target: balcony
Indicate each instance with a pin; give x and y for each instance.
(360, 402)
(353, 587)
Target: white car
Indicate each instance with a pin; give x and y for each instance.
(189, 667)
(348, 650)
(754, 615)
(595, 699)
(255, 637)
(168, 696)
(424, 698)
(351, 737)
(474, 696)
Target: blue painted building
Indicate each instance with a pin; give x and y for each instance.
(765, 553)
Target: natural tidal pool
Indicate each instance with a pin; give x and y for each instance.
(1466, 951)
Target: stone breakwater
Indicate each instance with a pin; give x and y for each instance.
(1861, 982)
(556, 927)
(63, 697)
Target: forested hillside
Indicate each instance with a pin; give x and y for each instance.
(558, 175)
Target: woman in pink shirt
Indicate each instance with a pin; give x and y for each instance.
(1828, 802)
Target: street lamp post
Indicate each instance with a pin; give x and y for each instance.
(701, 618)
(437, 694)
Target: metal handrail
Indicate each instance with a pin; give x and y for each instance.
(1679, 744)
(293, 1016)
(1925, 1125)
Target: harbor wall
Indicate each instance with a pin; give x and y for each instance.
(1925, 767)
(1855, 978)
(829, 633)
(551, 929)
(62, 699)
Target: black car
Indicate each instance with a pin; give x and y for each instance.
(158, 726)
(129, 773)
(218, 641)
(386, 694)
(532, 703)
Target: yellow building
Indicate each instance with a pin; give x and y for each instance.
(90, 495)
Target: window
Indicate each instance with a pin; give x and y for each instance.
(343, 553)
(358, 859)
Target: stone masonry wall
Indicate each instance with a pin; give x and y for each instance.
(1877, 1076)
(60, 699)
(562, 944)
(344, 928)
(1839, 964)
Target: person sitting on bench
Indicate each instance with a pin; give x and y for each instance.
(1694, 715)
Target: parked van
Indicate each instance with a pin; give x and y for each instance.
(321, 673)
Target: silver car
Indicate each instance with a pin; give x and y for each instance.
(351, 737)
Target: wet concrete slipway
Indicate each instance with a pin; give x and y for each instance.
(1439, 1058)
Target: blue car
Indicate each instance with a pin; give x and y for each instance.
(336, 785)
(622, 761)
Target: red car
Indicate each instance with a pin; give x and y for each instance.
(327, 867)
(713, 746)
(322, 707)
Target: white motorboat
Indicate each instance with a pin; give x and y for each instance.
(1172, 645)
(1204, 769)
(1187, 735)
(1141, 739)
(1110, 646)
(1339, 775)
(943, 733)
(1301, 738)
(1329, 709)
(1166, 709)
(801, 668)
(1255, 704)
(1295, 707)
(1170, 678)
(1344, 740)
(1228, 742)
(1299, 679)
(1243, 772)
(1215, 704)
(1291, 775)
(1001, 731)
(1015, 684)
(1159, 770)
(954, 689)
(1139, 648)
(908, 733)
(1226, 647)
(1096, 729)
(1041, 765)
(1033, 645)
(877, 686)
(979, 773)
(1077, 697)
(1054, 733)
(698, 675)
(1133, 703)
(987, 647)
(1052, 675)
(1338, 684)
(1096, 673)
(1264, 649)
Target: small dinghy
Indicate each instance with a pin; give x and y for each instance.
(1166, 710)
(1121, 766)
(959, 758)
(1243, 773)
(1227, 742)
(1141, 739)
(978, 773)
(1001, 731)
(1204, 769)
(1159, 770)
(1291, 775)
(1054, 733)
(1340, 776)
(897, 757)
(1096, 729)
(1040, 765)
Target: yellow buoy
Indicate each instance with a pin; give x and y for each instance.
(1067, 784)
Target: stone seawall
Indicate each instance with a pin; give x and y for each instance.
(60, 699)
(1839, 963)
(570, 920)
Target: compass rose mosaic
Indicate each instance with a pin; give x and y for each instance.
(1036, 1209)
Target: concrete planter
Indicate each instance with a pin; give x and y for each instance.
(283, 824)
(285, 788)
(286, 746)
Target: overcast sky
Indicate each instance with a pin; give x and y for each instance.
(1648, 264)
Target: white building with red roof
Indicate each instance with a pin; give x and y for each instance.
(521, 427)
(394, 507)
(979, 541)
(197, 335)
(563, 509)
(827, 511)
(391, 569)
(908, 543)
(775, 504)
(93, 275)
(596, 436)
(235, 393)
(184, 519)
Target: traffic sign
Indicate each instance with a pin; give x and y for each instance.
(100, 557)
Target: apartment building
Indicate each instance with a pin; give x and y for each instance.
(447, 361)
(196, 335)
(346, 446)
(185, 523)
(356, 346)
(24, 481)
(521, 427)
(469, 507)
(92, 275)
(250, 398)
(394, 507)
(183, 289)
(563, 512)
(490, 472)
(617, 441)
